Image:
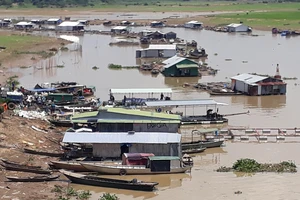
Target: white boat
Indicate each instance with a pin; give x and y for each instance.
(156, 165)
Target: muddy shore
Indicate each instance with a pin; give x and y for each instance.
(15, 134)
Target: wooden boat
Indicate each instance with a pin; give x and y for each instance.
(61, 123)
(25, 169)
(17, 164)
(68, 165)
(108, 182)
(33, 178)
(44, 153)
(201, 144)
(192, 151)
(172, 165)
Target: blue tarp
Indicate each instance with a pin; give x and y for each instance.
(42, 90)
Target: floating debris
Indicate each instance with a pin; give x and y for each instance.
(244, 61)
(60, 66)
(228, 59)
(95, 68)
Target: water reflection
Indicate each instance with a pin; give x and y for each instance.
(266, 102)
(180, 81)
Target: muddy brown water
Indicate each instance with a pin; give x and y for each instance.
(205, 183)
(262, 53)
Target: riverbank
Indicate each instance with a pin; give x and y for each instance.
(260, 16)
(23, 50)
(15, 134)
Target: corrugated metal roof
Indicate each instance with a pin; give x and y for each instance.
(162, 46)
(120, 28)
(182, 66)
(141, 91)
(124, 137)
(194, 22)
(174, 60)
(164, 158)
(71, 24)
(24, 23)
(200, 102)
(53, 20)
(234, 25)
(249, 78)
(143, 113)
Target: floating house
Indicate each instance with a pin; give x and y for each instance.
(126, 23)
(238, 28)
(54, 21)
(3, 23)
(157, 51)
(157, 24)
(23, 25)
(124, 120)
(7, 20)
(193, 25)
(180, 67)
(155, 35)
(70, 26)
(113, 145)
(170, 35)
(120, 29)
(84, 21)
(254, 85)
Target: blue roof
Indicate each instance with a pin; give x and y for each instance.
(42, 90)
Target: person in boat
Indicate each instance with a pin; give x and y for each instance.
(162, 96)
(111, 98)
(124, 100)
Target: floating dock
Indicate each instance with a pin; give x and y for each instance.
(257, 134)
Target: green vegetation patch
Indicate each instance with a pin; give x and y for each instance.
(12, 42)
(251, 166)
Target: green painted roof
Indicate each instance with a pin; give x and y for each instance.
(163, 158)
(144, 113)
(85, 114)
(184, 66)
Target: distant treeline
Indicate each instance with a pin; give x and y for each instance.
(74, 3)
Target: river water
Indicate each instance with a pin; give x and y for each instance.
(262, 53)
(205, 183)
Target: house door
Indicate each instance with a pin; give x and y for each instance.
(124, 149)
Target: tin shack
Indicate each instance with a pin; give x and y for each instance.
(113, 145)
(180, 67)
(157, 51)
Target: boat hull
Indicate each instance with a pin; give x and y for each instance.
(43, 153)
(130, 170)
(32, 179)
(192, 151)
(201, 144)
(110, 183)
(72, 166)
(25, 169)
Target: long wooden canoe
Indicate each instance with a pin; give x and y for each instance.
(108, 182)
(33, 178)
(17, 164)
(68, 165)
(192, 151)
(25, 169)
(44, 153)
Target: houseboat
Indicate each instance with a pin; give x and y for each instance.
(155, 165)
(210, 117)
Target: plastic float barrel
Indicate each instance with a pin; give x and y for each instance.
(123, 172)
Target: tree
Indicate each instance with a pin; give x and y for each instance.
(108, 196)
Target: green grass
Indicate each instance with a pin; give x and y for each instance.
(279, 19)
(13, 42)
(175, 6)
